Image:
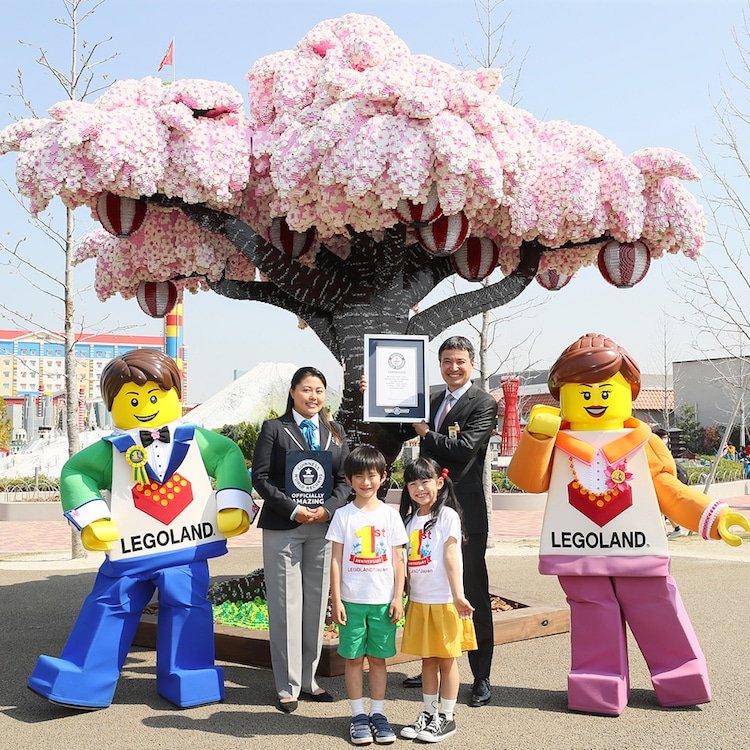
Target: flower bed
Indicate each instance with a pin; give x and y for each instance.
(241, 624)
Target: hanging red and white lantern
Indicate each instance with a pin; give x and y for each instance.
(293, 244)
(476, 259)
(445, 235)
(156, 298)
(119, 215)
(553, 280)
(420, 213)
(624, 264)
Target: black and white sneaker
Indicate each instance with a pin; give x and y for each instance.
(410, 732)
(439, 728)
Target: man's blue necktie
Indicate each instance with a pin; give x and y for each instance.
(308, 430)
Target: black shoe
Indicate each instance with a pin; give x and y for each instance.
(480, 693)
(415, 681)
(287, 707)
(324, 697)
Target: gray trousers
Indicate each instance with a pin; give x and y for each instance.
(297, 566)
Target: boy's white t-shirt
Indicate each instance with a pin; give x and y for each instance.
(368, 539)
(425, 556)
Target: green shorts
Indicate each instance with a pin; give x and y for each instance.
(368, 632)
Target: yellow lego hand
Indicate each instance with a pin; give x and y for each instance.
(96, 537)
(544, 421)
(233, 521)
(732, 518)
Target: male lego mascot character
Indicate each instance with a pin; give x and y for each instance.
(159, 526)
(609, 480)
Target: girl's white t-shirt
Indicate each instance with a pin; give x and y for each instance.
(425, 561)
(368, 539)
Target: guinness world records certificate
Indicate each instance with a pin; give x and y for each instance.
(396, 371)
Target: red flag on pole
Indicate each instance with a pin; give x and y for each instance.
(168, 56)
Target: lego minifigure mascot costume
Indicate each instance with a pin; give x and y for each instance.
(158, 527)
(609, 480)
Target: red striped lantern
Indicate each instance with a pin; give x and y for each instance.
(119, 215)
(293, 244)
(156, 298)
(624, 264)
(420, 213)
(476, 259)
(553, 280)
(445, 235)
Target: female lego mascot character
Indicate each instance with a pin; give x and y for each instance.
(158, 527)
(609, 480)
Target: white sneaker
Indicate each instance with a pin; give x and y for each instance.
(410, 732)
(438, 729)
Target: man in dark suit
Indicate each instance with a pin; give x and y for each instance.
(461, 423)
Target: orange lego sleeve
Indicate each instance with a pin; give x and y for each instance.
(677, 501)
(531, 465)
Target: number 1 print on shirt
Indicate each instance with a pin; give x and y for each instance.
(419, 548)
(371, 549)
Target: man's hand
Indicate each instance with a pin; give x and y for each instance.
(421, 428)
(731, 518)
(96, 537)
(233, 521)
(544, 421)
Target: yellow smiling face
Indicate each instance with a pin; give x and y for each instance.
(597, 406)
(146, 406)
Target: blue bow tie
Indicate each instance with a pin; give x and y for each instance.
(308, 430)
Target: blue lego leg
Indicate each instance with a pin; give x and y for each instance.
(86, 674)
(185, 671)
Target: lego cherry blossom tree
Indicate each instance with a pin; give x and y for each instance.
(360, 177)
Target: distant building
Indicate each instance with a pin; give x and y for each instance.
(32, 375)
(713, 387)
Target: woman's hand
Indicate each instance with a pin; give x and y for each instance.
(319, 515)
(303, 514)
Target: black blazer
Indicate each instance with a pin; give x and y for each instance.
(269, 469)
(476, 415)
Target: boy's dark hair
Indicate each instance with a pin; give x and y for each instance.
(426, 468)
(364, 458)
(457, 342)
(139, 366)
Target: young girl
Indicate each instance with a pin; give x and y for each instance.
(438, 618)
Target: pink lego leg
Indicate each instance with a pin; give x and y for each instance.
(655, 613)
(598, 680)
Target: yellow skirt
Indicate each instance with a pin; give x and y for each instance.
(436, 630)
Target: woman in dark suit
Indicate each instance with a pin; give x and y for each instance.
(296, 555)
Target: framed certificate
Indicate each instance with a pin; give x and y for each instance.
(396, 371)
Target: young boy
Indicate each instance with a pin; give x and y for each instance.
(367, 587)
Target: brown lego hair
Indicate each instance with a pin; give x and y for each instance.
(592, 359)
(139, 366)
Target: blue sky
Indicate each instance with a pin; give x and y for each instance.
(640, 73)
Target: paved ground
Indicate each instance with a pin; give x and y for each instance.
(40, 595)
